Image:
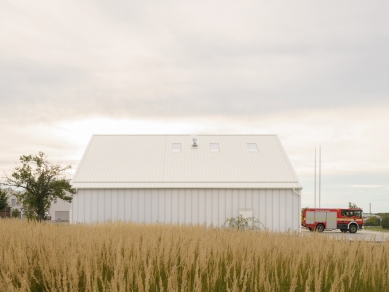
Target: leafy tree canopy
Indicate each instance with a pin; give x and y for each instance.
(352, 205)
(42, 181)
(3, 199)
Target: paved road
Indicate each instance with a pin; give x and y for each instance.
(361, 234)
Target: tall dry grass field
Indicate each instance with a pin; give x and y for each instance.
(128, 257)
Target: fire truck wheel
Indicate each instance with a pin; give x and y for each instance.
(353, 228)
(320, 227)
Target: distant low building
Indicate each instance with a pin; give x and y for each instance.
(58, 211)
(368, 215)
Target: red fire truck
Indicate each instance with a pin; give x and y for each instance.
(330, 219)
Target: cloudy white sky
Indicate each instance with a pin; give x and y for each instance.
(313, 72)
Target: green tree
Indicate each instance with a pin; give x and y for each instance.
(372, 221)
(42, 182)
(352, 205)
(3, 199)
(385, 222)
(15, 213)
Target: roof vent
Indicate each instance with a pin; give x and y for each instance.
(194, 141)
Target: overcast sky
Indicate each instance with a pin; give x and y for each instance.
(313, 72)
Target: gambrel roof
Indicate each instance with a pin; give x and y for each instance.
(151, 161)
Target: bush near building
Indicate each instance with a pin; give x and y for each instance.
(15, 213)
(385, 222)
(372, 221)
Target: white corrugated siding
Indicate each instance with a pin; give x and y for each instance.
(137, 161)
(277, 209)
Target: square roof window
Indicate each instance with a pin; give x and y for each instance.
(176, 147)
(214, 147)
(252, 147)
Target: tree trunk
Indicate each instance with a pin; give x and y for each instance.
(41, 213)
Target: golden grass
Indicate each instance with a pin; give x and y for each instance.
(129, 257)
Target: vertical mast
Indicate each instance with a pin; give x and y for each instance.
(315, 181)
(319, 175)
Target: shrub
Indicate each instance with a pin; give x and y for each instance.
(15, 213)
(240, 223)
(385, 222)
(372, 221)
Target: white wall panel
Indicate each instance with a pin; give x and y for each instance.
(93, 206)
(235, 203)
(181, 206)
(208, 206)
(222, 206)
(175, 206)
(134, 205)
(168, 205)
(161, 206)
(195, 206)
(121, 205)
(249, 199)
(75, 207)
(255, 203)
(100, 205)
(147, 206)
(187, 194)
(215, 207)
(228, 201)
(242, 199)
(114, 205)
(289, 204)
(282, 210)
(141, 206)
(81, 210)
(202, 209)
(87, 203)
(299, 207)
(278, 210)
(262, 207)
(269, 208)
(107, 204)
(296, 215)
(126, 199)
(154, 205)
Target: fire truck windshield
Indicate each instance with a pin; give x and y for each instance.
(350, 213)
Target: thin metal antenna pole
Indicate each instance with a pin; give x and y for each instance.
(315, 180)
(319, 176)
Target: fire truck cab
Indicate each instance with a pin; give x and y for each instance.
(321, 219)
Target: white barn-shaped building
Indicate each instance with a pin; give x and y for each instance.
(168, 179)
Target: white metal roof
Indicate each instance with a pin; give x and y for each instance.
(147, 161)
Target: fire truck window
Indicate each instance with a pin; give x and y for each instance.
(358, 214)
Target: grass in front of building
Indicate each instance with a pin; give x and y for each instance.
(130, 257)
